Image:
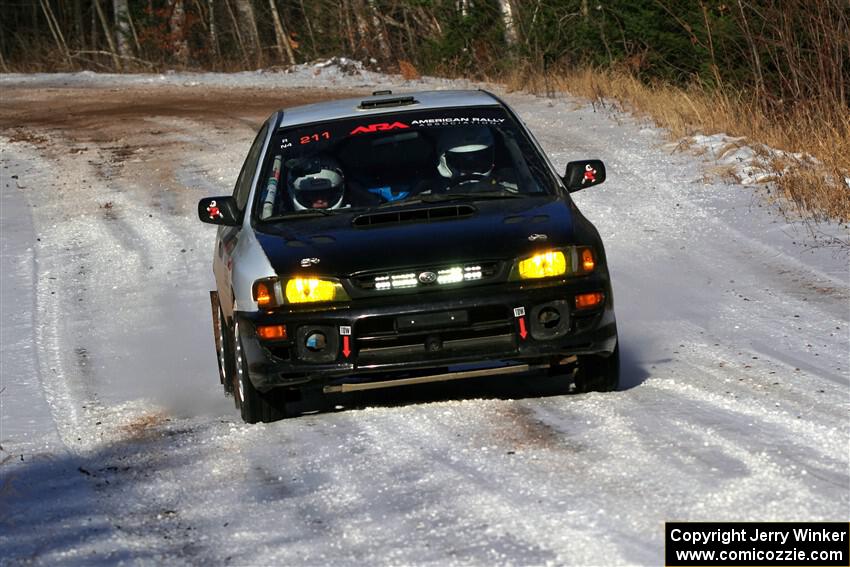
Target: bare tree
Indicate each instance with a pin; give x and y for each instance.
(55, 30)
(283, 45)
(177, 25)
(116, 62)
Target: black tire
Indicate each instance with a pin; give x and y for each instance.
(598, 373)
(255, 406)
(226, 365)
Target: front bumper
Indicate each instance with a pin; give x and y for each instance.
(399, 334)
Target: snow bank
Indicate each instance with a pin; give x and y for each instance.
(336, 72)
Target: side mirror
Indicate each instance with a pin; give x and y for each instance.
(581, 174)
(218, 210)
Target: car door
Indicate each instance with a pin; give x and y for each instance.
(228, 236)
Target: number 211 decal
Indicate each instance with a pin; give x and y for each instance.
(315, 137)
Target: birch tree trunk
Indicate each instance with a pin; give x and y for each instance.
(508, 21)
(248, 29)
(380, 32)
(359, 10)
(213, 33)
(122, 27)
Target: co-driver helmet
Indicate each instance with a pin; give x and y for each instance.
(466, 150)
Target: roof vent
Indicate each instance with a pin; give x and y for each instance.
(431, 214)
(387, 102)
(382, 93)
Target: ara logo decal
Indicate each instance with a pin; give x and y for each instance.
(536, 236)
(381, 127)
(307, 262)
(589, 174)
(214, 211)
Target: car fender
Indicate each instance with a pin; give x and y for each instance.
(253, 264)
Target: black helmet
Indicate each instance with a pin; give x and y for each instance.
(466, 150)
(315, 183)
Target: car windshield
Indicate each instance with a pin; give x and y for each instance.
(393, 160)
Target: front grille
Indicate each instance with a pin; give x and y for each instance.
(482, 329)
(427, 277)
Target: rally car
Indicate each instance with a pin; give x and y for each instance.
(398, 239)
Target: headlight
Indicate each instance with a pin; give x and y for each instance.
(312, 290)
(543, 265)
(271, 292)
(572, 260)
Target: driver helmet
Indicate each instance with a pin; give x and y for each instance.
(466, 150)
(315, 183)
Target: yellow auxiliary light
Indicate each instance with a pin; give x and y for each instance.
(543, 265)
(311, 290)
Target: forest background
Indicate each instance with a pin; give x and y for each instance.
(774, 72)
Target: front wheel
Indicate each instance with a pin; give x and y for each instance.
(598, 373)
(255, 406)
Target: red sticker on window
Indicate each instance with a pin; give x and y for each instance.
(379, 127)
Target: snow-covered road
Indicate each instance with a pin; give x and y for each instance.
(118, 445)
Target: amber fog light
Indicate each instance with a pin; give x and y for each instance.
(272, 332)
(589, 300)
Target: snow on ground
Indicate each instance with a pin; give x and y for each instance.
(118, 446)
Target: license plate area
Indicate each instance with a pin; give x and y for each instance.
(425, 321)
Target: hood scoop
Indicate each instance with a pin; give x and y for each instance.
(430, 214)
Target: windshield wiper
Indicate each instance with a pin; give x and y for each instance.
(453, 196)
(481, 195)
(312, 213)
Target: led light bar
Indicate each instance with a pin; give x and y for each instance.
(450, 275)
(472, 273)
(455, 274)
(404, 280)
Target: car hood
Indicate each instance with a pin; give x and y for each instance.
(496, 230)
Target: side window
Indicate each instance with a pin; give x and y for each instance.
(249, 168)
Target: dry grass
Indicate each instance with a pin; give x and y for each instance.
(821, 129)
(407, 70)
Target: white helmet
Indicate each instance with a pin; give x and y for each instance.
(466, 150)
(315, 183)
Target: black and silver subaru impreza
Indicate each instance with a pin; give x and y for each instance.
(403, 239)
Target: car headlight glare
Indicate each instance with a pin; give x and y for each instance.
(312, 290)
(543, 265)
